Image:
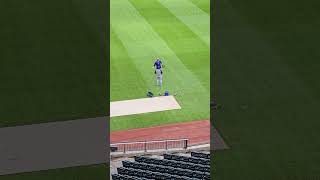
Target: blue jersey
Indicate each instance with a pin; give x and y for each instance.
(158, 64)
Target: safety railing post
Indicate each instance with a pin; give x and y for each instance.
(145, 146)
(166, 144)
(186, 144)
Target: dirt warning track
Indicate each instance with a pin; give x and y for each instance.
(198, 132)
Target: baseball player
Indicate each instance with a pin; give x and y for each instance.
(158, 71)
(158, 64)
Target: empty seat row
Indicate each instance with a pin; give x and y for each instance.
(126, 177)
(173, 163)
(187, 159)
(200, 155)
(167, 170)
(150, 175)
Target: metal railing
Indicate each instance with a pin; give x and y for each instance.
(146, 146)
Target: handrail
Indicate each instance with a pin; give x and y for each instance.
(124, 147)
(152, 141)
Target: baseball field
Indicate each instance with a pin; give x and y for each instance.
(177, 32)
(46, 46)
(267, 79)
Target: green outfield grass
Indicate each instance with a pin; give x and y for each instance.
(52, 61)
(267, 79)
(99, 172)
(176, 31)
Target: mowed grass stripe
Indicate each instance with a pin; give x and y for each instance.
(143, 45)
(190, 49)
(204, 5)
(196, 19)
(124, 74)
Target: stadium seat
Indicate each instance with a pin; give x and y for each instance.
(165, 169)
(173, 167)
(173, 163)
(187, 159)
(125, 177)
(200, 155)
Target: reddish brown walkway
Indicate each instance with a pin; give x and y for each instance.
(198, 132)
